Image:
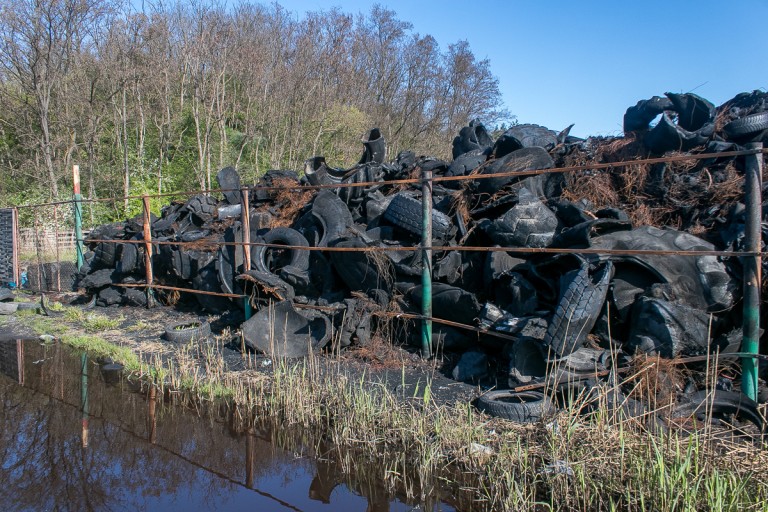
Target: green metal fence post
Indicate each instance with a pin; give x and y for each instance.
(78, 211)
(752, 270)
(426, 263)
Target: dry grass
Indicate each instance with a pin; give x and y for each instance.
(622, 149)
(657, 380)
(595, 186)
(288, 202)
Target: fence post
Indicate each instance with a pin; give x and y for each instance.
(148, 250)
(84, 398)
(16, 242)
(245, 220)
(78, 207)
(752, 270)
(56, 244)
(426, 263)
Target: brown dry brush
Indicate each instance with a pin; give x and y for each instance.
(687, 186)
(288, 202)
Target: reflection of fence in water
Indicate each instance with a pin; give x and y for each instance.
(11, 359)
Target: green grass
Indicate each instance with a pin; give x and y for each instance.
(92, 322)
(96, 346)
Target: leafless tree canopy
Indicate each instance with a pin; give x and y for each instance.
(159, 100)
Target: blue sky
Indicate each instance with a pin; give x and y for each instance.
(562, 62)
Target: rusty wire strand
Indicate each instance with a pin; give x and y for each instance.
(439, 179)
(445, 248)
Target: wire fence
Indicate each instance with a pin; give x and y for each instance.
(47, 246)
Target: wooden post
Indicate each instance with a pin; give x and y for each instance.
(78, 211)
(245, 221)
(148, 250)
(249, 458)
(152, 418)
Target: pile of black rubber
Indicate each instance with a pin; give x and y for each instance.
(560, 312)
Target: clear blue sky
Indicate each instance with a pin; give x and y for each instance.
(562, 62)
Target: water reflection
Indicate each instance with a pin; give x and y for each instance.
(74, 438)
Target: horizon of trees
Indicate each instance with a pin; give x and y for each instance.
(159, 100)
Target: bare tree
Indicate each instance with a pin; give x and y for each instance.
(40, 40)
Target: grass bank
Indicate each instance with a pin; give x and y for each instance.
(572, 462)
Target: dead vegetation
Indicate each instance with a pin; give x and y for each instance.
(288, 202)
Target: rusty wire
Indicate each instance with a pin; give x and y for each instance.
(444, 248)
(410, 181)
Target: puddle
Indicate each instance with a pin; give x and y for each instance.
(75, 437)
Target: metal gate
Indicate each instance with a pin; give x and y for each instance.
(9, 261)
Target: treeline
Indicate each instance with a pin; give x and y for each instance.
(159, 100)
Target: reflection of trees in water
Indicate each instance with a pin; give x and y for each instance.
(45, 466)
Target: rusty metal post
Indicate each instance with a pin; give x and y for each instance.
(426, 263)
(245, 220)
(148, 250)
(84, 398)
(752, 270)
(151, 414)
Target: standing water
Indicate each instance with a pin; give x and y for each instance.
(75, 435)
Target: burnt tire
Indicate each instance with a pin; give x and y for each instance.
(406, 213)
(184, 332)
(522, 407)
(578, 308)
(298, 258)
(747, 125)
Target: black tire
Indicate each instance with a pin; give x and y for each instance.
(358, 270)
(332, 215)
(91, 302)
(405, 212)
(720, 403)
(184, 332)
(27, 306)
(127, 259)
(298, 258)
(104, 254)
(45, 307)
(578, 308)
(522, 407)
(230, 260)
(207, 279)
(229, 180)
(747, 125)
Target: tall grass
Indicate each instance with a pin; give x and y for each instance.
(572, 461)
